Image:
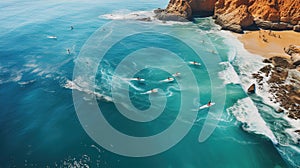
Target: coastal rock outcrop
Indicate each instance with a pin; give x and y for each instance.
(236, 15)
(251, 89)
(284, 81)
(233, 15)
(294, 52)
(296, 28)
(183, 10)
(177, 10)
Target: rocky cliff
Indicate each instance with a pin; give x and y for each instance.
(237, 15)
(184, 10)
(283, 79)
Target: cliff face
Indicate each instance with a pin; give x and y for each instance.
(268, 14)
(202, 7)
(233, 14)
(287, 11)
(188, 8)
(240, 14)
(180, 8)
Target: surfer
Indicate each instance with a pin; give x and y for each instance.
(72, 27)
(169, 79)
(209, 104)
(153, 90)
(138, 78)
(194, 63)
(69, 52)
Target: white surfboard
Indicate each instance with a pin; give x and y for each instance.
(167, 80)
(206, 106)
(151, 91)
(194, 63)
(139, 80)
(52, 37)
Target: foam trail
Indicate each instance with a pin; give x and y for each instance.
(74, 86)
(125, 14)
(128, 81)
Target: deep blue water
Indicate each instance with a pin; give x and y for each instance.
(40, 126)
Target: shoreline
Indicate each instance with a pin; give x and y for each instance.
(279, 74)
(268, 43)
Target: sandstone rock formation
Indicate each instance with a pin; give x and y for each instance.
(203, 7)
(177, 10)
(287, 11)
(183, 10)
(237, 15)
(233, 15)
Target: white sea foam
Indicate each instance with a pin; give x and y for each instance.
(293, 75)
(246, 112)
(249, 63)
(30, 65)
(128, 81)
(228, 74)
(26, 82)
(13, 75)
(125, 14)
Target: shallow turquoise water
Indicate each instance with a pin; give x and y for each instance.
(39, 124)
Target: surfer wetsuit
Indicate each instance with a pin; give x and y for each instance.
(209, 103)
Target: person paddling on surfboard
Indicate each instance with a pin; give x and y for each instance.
(138, 78)
(209, 104)
(153, 90)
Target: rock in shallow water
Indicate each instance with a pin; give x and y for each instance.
(147, 19)
(251, 89)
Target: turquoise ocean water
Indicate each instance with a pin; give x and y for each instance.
(38, 121)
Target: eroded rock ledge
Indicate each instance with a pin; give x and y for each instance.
(238, 15)
(282, 75)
